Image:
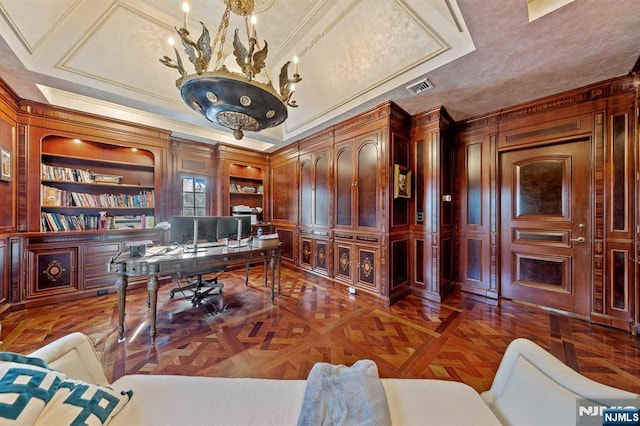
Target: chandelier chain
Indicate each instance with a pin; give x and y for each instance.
(222, 35)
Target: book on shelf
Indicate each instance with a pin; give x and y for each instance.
(51, 196)
(66, 174)
(57, 222)
(147, 221)
(106, 178)
(48, 195)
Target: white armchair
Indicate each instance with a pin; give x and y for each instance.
(75, 355)
(532, 387)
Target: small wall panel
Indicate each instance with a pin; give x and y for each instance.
(52, 271)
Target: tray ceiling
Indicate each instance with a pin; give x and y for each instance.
(102, 56)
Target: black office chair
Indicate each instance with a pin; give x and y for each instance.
(200, 288)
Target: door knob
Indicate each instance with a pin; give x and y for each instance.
(578, 240)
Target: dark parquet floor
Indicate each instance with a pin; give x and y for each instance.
(462, 339)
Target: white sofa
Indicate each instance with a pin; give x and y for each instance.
(530, 387)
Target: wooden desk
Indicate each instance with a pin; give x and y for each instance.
(177, 262)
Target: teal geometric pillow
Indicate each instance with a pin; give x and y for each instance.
(33, 394)
(26, 386)
(80, 403)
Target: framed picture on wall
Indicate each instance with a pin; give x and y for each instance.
(6, 165)
(401, 182)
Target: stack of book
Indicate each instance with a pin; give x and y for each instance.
(104, 178)
(66, 174)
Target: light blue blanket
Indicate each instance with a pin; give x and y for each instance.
(340, 395)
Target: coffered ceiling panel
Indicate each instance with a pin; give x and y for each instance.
(122, 49)
(358, 49)
(33, 21)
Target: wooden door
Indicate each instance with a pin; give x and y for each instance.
(546, 226)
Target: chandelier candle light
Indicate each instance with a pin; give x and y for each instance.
(235, 100)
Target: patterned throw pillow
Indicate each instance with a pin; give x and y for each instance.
(26, 386)
(80, 403)
(33, 394)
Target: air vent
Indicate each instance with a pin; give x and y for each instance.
(419, 87)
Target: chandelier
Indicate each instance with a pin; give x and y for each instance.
(233, 99)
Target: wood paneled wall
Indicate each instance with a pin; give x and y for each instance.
(605, 114)
(424, 244)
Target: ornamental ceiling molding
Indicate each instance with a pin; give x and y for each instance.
(33, 46)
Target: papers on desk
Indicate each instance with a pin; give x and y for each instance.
(163, 250)
(268, 236)
(267, 240)
(207, 244)
(234, 243)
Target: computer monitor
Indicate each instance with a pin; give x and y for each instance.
(228, 227)
(183, 229)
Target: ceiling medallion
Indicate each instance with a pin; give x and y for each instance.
(223, 95)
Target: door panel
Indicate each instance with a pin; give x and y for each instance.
(545, 232)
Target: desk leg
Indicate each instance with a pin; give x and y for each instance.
(246, 273)
(265, 270)
(278, 260)
(272, 263)
(152, 288)
(121, 287)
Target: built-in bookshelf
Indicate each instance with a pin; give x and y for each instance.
(246, 186)
(95, 186)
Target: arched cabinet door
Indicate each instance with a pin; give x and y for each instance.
(321, 191)
(344, 185)
(306, 191)
(358, 194)
(366, 183)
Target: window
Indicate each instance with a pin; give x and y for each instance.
(194, 196)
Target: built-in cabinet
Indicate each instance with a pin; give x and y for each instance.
(476, 208)
(433, 245)
(87, 185)
(316, 215)
(284, 204)
(56, 266)
(341, 221)
(8, 189)
(243, 177)
(358, 197)
(359, 203)
(91, 186)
